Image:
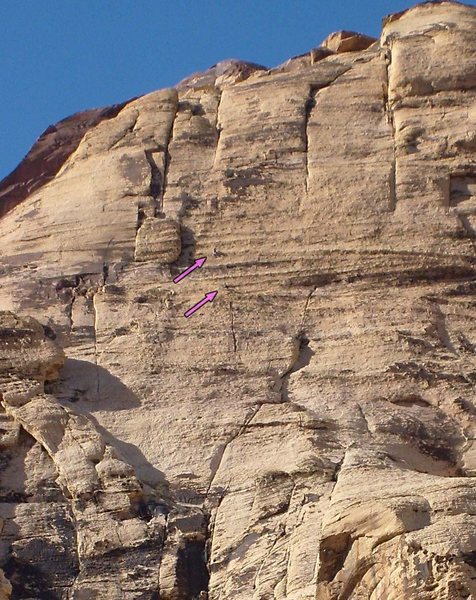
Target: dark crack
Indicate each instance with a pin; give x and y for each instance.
(218, 128)
(309, 106)
(303, 358)
(232, 324)
(388, 110)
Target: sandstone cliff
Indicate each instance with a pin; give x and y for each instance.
(311, 433)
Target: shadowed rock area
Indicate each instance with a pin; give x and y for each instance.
(309, 434)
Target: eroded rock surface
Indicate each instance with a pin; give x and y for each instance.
(49, 153)
(310, 434)
(347, 41)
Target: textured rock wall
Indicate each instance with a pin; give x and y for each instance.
(310, 434)
(48, 155)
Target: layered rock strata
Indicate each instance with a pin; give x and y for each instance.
(308, 435)
(48, 154)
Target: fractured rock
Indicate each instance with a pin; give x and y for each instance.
(49, 153)
(159, 240)
(347, 41)
(309, 434)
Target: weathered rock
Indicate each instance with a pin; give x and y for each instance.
(303, 61)
(311, 433)
(225, 72)
(158, 239)
(106, 502)
(25, 351)
(49, 153)
(5, 587)
(347, 41)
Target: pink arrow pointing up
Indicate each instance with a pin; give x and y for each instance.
(196, 265)
(208, 298)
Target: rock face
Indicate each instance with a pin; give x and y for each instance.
(158, 239)
(311, 433)
(49, 153)
(347, 41)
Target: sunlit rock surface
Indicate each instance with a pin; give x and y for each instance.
(310, 433)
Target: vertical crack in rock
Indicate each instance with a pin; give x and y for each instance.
(306, 306)
(335, 475)
(157, 237)
(219, 130)
(211, 515)
(81, 288)
(233, 332)
(221, 452)
(157, 177)
(184, 568)
(192, 571)
(105, 273)
(364, 417)
(158, 159)
(304, 355)
(96, 353)
(129, 129)
(207, 552)
(69, 310)
(167, 159)
(161, 550)
(388, 110)
(187, 245)
(187, 237)
(309, 107)
(333, 549)
(279, 533)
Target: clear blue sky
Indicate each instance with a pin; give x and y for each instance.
(61, 56)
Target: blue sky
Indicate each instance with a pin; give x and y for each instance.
(61, 56)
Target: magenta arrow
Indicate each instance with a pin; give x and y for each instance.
(208, 298)
(196, 265)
